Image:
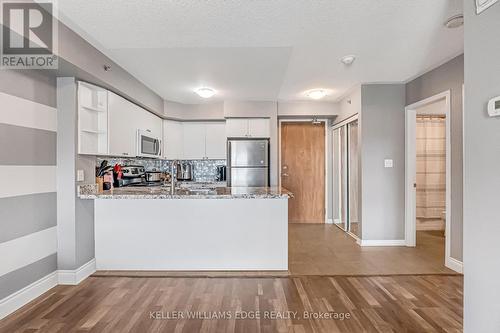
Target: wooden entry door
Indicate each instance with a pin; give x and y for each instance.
(303, 170)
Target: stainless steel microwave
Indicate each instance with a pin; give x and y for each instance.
(148, 145)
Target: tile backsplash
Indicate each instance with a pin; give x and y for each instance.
(203, 170)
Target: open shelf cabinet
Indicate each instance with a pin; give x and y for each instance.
(92, 119)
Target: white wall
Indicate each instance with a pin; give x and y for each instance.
(482, 177)
(307, 108)
(349, 105)
(187, 112)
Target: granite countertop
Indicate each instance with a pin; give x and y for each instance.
(160, 192)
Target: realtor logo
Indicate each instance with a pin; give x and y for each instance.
(29, 34)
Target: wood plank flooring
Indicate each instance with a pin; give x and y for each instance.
(353, 304)
(327, 250)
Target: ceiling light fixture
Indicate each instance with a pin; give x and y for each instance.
(348, 59)
(454, 21)
(205, 92)
(317, 93)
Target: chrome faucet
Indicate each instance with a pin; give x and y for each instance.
(172, 177)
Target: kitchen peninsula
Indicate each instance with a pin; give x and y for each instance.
(225, 228)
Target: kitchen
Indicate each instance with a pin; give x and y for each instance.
(177, 205)
(241, 157)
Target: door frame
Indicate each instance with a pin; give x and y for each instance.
(307, 120)
(410, 171)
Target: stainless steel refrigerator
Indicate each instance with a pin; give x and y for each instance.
(248, 162)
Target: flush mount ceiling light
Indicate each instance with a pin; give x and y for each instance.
(317, 93)
(454, 21)
(205, 92)
(348, 59)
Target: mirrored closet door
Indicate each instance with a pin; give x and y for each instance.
(346, 185)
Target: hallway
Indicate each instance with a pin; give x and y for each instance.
(324, 249)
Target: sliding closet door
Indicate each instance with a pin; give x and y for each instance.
(353, 179)
(340, 177)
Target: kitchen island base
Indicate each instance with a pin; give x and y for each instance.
(192, 234)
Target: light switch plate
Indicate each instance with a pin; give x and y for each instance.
(80, 176)
(388, 163)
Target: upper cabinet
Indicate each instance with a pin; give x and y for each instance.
(122, 128)
(259, 128)
(248, 128)
(92, 119)
(172, 140)
(194, 140)
(125, 119)
(215, 141)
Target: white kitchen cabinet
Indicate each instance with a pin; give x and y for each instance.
(259, 128)
(248, 128)
(193, 140)
(122, 127)
(92, 119)
(172, 140)
(125, 118)
(147, 121)
(236, 127)
(215, 142)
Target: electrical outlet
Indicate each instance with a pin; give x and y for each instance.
(388, 163)
(80, 176)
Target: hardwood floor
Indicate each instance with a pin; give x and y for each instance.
(327, 250)
(354, 304)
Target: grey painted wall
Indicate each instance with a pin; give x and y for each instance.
(449, 76)
(85, 62)
(481, 171)
(27, 214)
(382, 137)
(381, 134)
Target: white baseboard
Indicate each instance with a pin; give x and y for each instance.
(74, 277)
(21, 297)
(381, 242)
(454, 264)
(329, 221)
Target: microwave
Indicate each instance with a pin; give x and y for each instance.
(148, 145)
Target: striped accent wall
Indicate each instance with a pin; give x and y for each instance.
(28, 201)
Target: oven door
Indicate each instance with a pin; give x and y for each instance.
(148, 145)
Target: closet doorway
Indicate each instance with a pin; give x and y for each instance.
(428, 174)
(346, 185)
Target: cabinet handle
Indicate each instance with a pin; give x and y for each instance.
(125, 154)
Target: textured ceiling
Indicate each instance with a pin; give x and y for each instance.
(267, 50)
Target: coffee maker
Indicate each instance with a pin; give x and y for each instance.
(221, 173)
(184, 171)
